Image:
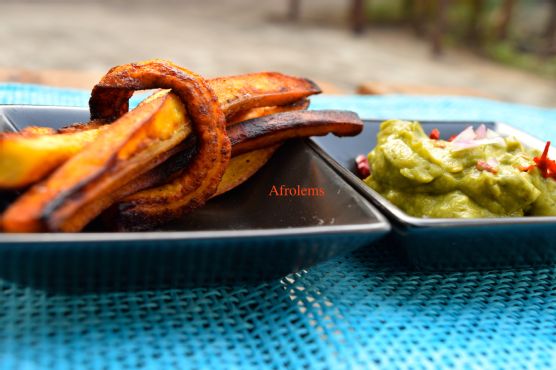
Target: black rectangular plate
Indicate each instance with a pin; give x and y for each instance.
(449, 244)
(243, 234)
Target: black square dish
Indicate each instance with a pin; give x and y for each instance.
(243, 234)
(449, 244)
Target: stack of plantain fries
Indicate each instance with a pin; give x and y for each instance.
(192, 140)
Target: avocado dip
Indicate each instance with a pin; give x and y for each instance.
(476, 174)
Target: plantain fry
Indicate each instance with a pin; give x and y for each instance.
(81, 188)
(240, 93)
(110, 99)
(239, 170)
(269, 130)
(27, 158)
(266, 111)
(259, 133)
(242, 167)
(29, 155)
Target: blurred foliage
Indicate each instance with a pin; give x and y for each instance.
(507, 53)
(525, 45)
(386, 11)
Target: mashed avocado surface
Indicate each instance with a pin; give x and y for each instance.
(436, 178)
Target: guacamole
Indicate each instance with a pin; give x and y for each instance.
(477, 174)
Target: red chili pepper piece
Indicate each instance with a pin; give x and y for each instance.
(546, 165)
(363, 168)
(435, 134)
(541, 161)
(552, 167)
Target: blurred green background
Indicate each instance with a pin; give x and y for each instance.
(517, 33)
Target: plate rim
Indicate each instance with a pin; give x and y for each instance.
(381, 225)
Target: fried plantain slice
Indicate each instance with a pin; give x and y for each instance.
(28, 157)
(241, 93)
(84, 186)
(171, 165)
(31, 154)
(239, 170)
(260, 127)
(110, 99)
(131, 213)
(242, 167)
(269, 130)
(266, 111)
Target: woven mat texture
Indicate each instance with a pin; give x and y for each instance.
(362, 310)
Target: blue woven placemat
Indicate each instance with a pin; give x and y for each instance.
(361, 310)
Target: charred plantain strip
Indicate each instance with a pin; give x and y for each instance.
(242, 167)
(264, 132)
(269, 130)
(240, 93)
(266, 111)
(29, 155)
(170, 166)
(109, 100)
(239, 170)
(84, 186)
